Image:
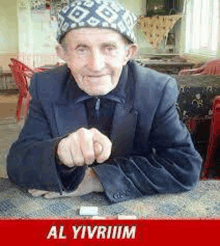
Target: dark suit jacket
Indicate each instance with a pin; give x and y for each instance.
(152, 149)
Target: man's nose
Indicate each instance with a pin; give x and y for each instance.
(96, 61)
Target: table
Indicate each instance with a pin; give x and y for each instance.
(202, 202)
(195, 106)
(169, 67)
(7, 81)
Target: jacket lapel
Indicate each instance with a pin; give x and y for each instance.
(125, 118)
(123, 130)
(69, 109)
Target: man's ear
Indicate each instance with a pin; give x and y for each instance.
(130, 52)
(60, 52)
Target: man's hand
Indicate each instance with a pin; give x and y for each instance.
(83, 147)
(89, 184)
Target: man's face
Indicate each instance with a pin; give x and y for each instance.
(96, 58)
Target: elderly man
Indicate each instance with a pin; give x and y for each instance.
(102, 123)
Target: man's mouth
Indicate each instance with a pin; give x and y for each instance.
(96, 76)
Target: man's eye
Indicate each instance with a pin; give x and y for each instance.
(110, 48)
(81, 50)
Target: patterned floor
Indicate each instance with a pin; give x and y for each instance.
(9, 130)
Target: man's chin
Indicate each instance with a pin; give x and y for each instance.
(98, 91)
(99, 88)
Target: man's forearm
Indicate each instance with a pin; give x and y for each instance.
(90, 183)
(129, 178)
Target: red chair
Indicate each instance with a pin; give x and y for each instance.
(214, 143)
(21, 79)
(21, 66)
(209, 68)
(22, 75)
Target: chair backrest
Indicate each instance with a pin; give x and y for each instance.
(21, 79)
(20, 65)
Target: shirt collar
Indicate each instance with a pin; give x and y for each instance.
(118, 94)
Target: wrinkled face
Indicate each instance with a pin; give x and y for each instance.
(95, 57)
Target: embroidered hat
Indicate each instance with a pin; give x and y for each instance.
(96, 13)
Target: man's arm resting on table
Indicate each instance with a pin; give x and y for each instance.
(89, 184)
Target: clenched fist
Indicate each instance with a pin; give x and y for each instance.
(83, 147)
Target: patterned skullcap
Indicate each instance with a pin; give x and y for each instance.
(96, 13)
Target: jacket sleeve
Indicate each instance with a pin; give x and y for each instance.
(172, 166)
(31, 162)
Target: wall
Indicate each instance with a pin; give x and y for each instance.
(135, 6)
(138, 7)
(44, 32)
(44, 36)
(25, 31)
(8, 32)
(36, 36)
(145, 48)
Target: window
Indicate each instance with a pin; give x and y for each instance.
(202, 27)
